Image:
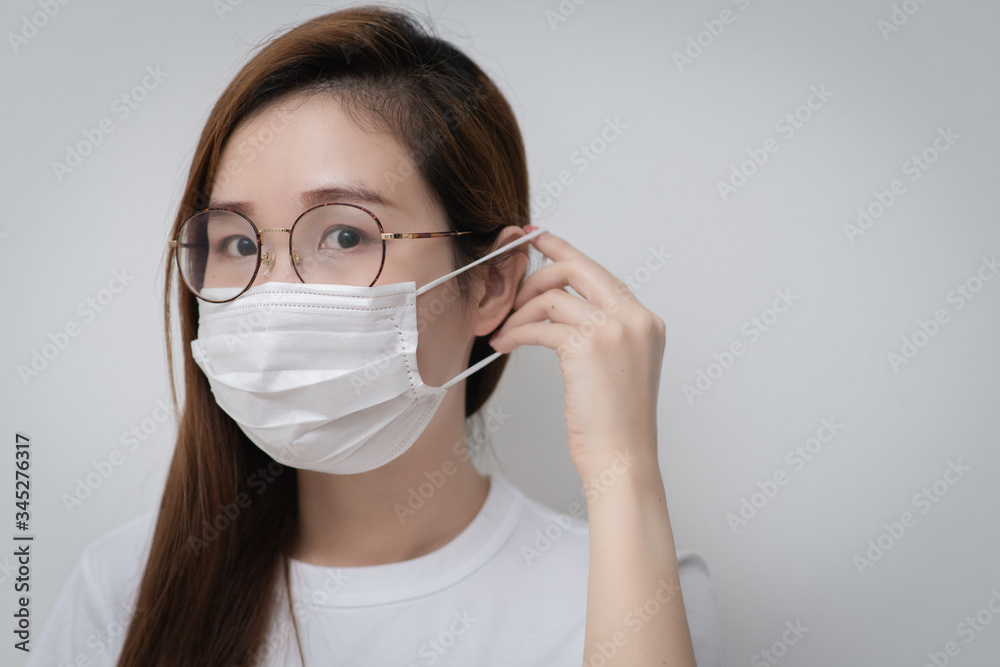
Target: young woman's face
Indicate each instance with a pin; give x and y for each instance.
(272, 162)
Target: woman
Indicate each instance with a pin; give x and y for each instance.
(360, 181)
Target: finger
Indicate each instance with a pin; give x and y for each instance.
(555, 247)
(592, 281)
(556, 305)
(545, 334)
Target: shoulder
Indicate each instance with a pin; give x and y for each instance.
(113, 564)
(87, 622)
(700, 608)
(547, 537)
(555, 544)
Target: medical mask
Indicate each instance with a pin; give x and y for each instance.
(324, 377)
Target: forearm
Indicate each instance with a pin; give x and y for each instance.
(635, 611)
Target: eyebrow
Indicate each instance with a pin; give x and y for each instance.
(354, 192)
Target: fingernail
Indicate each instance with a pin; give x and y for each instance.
(530, 228)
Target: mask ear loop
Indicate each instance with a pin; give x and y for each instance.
(434, 283)
(472, 369)
(502, 249)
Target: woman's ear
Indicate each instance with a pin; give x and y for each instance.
(501, 282)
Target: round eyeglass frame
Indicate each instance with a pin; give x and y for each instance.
(384, 236)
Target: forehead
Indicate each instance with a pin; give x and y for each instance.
(304, 144)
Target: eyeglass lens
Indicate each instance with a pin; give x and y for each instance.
(336, 244)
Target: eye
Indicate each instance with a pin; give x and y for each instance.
(238, 246)
(342, 237)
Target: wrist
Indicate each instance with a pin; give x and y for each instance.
(620, 474)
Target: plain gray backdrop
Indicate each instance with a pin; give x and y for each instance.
(801, 190)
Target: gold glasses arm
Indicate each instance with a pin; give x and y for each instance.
(420, 235)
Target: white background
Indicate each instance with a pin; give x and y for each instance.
(654, 187)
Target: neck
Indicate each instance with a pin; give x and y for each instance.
(407, 508)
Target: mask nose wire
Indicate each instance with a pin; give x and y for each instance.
(502, 249)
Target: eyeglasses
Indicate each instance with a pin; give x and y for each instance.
(219, 251)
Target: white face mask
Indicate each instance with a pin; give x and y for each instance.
(324, 377)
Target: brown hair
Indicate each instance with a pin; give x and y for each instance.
(229, 511)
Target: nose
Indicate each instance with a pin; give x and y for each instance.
(275, 262)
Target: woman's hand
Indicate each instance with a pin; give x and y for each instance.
(610, 350)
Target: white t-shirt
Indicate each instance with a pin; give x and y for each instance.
(510, 589)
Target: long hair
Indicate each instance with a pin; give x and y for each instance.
(229, 512)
